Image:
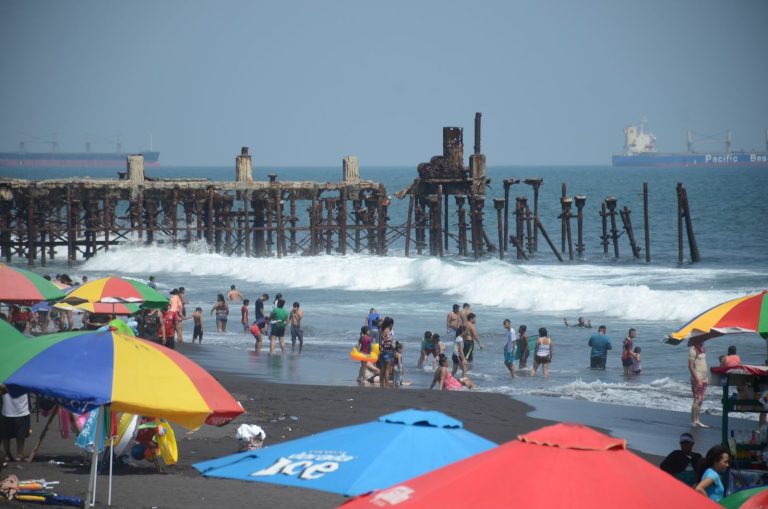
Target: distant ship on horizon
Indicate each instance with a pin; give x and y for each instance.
(86, 159)
(640, 151)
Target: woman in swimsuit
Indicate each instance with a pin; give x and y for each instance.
(443, 379)
(542, 355)
(386, 351)
(222, 312)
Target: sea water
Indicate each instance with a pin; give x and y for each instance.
(728, 212)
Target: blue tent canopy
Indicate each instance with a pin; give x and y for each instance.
(356, 459)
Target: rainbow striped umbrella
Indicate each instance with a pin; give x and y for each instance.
(114, 289)
(19, 286)
(745, 314)
(86, 370)
(102, 308)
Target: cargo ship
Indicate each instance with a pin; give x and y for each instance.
(87, 159)
(640, 151)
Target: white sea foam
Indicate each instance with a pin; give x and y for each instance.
(622, 291)
(662, 394)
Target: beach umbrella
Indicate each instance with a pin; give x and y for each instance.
(564, 465)
(9, 333)
(753, 498)
(105, 308)
(116, 290)
(19, 286)
(84, 370)
(356, 459)
(745, 314)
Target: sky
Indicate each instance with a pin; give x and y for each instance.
(305, 83)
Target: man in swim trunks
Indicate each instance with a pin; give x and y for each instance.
(452, 322)
(470, 338)
(297, 333)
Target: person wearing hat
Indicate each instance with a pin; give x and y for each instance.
(683, 462)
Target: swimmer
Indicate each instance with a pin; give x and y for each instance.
(586, 324)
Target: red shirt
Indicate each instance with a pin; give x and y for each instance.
(170, 319)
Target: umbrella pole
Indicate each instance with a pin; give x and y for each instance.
(95, 461)
(111, 455)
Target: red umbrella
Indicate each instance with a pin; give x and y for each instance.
(565, 465)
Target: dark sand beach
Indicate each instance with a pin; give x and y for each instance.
(285, 412)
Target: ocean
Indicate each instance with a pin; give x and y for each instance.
(728, 211)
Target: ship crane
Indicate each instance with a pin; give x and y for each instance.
(111, 141)
(54, 144)
(724, 137)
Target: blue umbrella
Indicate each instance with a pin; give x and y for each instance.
(356, 459)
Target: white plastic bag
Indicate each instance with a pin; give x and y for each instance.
(250, 437)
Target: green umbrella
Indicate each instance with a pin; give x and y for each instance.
(741, 497)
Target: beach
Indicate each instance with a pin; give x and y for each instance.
(285, 412)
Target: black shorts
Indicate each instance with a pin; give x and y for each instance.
(14, 427)
(597, 362)
(455, 359)
(626, 362)
(542, 360)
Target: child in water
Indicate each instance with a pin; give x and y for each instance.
(364, 343)
(197, 332)
(636, 367)
(399, 369)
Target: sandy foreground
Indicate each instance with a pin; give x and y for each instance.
(285, 412)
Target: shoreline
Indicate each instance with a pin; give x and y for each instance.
(285, 412)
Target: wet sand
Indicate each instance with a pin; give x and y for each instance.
(285, 412)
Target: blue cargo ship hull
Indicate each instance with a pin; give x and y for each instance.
(713, 159)
(72, 159)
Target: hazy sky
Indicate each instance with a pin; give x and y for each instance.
(308, 82)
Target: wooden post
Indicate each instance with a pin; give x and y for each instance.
(679, 223)
(294, 218)
(610, 202)
(567, 201)
(209, 222)
(546, 237)
(341, 221)
(259, 243)
(646, 225)
(498, 203)
(446, 236)
(604, 236)
(460, 200)
(564, 217)
(580, 202)
(528, 223)
(175, 217)
(31, 232)
(247, 225)
(383, 208)
(692, 245)
(408, 223)
(370, 221)
(627, 221)
(269, 202)
(71, 255)
(330, 204)
(535, 183)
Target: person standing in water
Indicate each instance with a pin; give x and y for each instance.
(294, 318)
(197, 332)
(222, 312)
(234, 295)
(522, 346)
(697, 367)
(452, 322)
(470, 338)
(278, 320)
(542, 355)
(509, 347)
